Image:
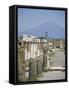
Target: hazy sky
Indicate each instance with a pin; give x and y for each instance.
(29, 18)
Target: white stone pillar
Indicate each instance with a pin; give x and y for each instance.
(26, 53)
(28, 50)
(34, 50)
(61, 44)
(38, 50)
(47, 61)
(31, 50)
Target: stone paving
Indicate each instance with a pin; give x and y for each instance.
(52, 75)
(58, 60)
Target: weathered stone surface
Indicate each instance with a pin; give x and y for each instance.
(32, 70)
(21, 66)
(45, 61)
(39, 67)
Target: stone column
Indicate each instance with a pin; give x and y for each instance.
(21, 64)
(45, 60)
(38, 49)
(26, 51)
(48, 62)
(31, 50)
(34, 49)
(39, 68)
(45, 54)
(61, 44)
(32, 70)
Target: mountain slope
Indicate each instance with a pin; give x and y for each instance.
(53, 29)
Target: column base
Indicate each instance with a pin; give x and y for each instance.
(46, 69)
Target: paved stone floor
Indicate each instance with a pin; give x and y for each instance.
(52, 75)
(58, 60)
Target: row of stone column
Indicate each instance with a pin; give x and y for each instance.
(35, 68)
(31, 49)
